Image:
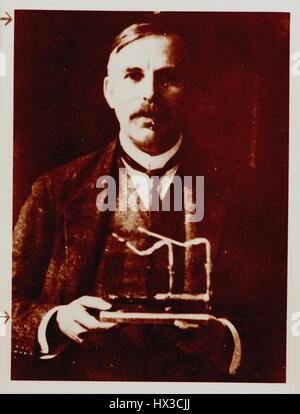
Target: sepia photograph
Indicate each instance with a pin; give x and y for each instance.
(150, 196)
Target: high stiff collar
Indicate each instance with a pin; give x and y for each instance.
(146, 161)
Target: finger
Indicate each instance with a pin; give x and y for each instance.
(94, 302)
(74, 331)
(106, 325)
(86, 320)
(185, 325)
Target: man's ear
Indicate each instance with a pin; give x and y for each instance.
(108, 91)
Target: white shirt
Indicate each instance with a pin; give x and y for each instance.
(140, 180)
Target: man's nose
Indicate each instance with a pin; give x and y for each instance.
(148, 88)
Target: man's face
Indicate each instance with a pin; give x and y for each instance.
(145, 86)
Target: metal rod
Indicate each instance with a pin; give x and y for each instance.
(152, 317)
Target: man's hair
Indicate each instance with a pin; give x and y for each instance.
(140, 30)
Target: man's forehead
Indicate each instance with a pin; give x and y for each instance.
(155, 50)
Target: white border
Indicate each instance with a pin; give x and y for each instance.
(6, 149)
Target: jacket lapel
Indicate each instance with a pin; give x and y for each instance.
(84, 229)
(211, 225)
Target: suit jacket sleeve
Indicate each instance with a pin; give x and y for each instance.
(32, 246)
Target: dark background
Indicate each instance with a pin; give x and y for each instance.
(239, 106)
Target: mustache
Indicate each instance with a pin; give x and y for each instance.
(157, 113)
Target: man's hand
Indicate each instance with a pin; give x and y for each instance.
(211, 337)
(73, 319)
(193, 337)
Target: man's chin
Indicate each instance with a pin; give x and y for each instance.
(146, 139)
(153, 141)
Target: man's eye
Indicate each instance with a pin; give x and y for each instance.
(134, 76)
(167, 79)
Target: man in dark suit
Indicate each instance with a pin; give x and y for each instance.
(71, 257)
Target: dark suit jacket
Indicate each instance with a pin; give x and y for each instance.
(57, 246)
